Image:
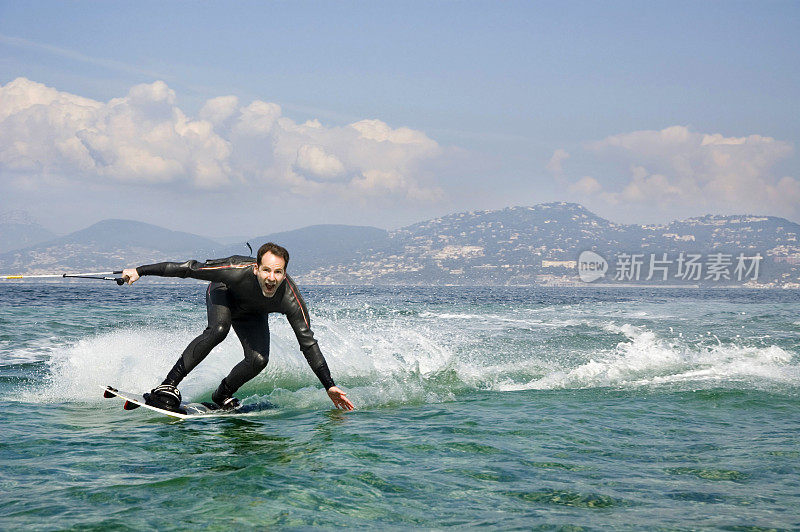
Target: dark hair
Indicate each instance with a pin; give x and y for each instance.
(275, 249)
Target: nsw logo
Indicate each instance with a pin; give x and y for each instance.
(591, 266)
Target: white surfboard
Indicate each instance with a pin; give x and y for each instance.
(187, 410)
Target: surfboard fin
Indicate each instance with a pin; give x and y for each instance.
(130, 406)
(109, 392)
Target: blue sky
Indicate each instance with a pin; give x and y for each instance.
(643, 112)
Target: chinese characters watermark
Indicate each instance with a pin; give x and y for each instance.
(714, 267)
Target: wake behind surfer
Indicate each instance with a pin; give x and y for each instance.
(241, 294)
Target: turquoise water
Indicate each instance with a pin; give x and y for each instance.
(501, 408)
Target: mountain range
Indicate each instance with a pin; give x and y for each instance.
(516, 245)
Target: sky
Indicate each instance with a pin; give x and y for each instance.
(241, 118)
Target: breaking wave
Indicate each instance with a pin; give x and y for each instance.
(414, 357)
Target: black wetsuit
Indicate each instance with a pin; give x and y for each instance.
(234, 298)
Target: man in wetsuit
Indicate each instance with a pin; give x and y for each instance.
(241, 294)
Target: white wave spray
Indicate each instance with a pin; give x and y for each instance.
(421, 357)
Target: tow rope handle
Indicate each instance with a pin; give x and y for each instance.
(103, 276)
(119, 280)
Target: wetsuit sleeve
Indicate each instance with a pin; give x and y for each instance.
(220, 270)
(295, 309)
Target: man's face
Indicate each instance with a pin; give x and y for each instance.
(270, 273)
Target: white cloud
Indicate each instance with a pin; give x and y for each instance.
(556, 161)
(586, 185)
(144, 137)
(679, 166)
(315, 162)
(218, 110)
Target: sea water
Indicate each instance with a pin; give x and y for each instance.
(509, 408)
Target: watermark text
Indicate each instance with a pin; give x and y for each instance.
(715, 267)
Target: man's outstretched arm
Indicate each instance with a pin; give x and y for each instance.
(213, 270)
(295, 310)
